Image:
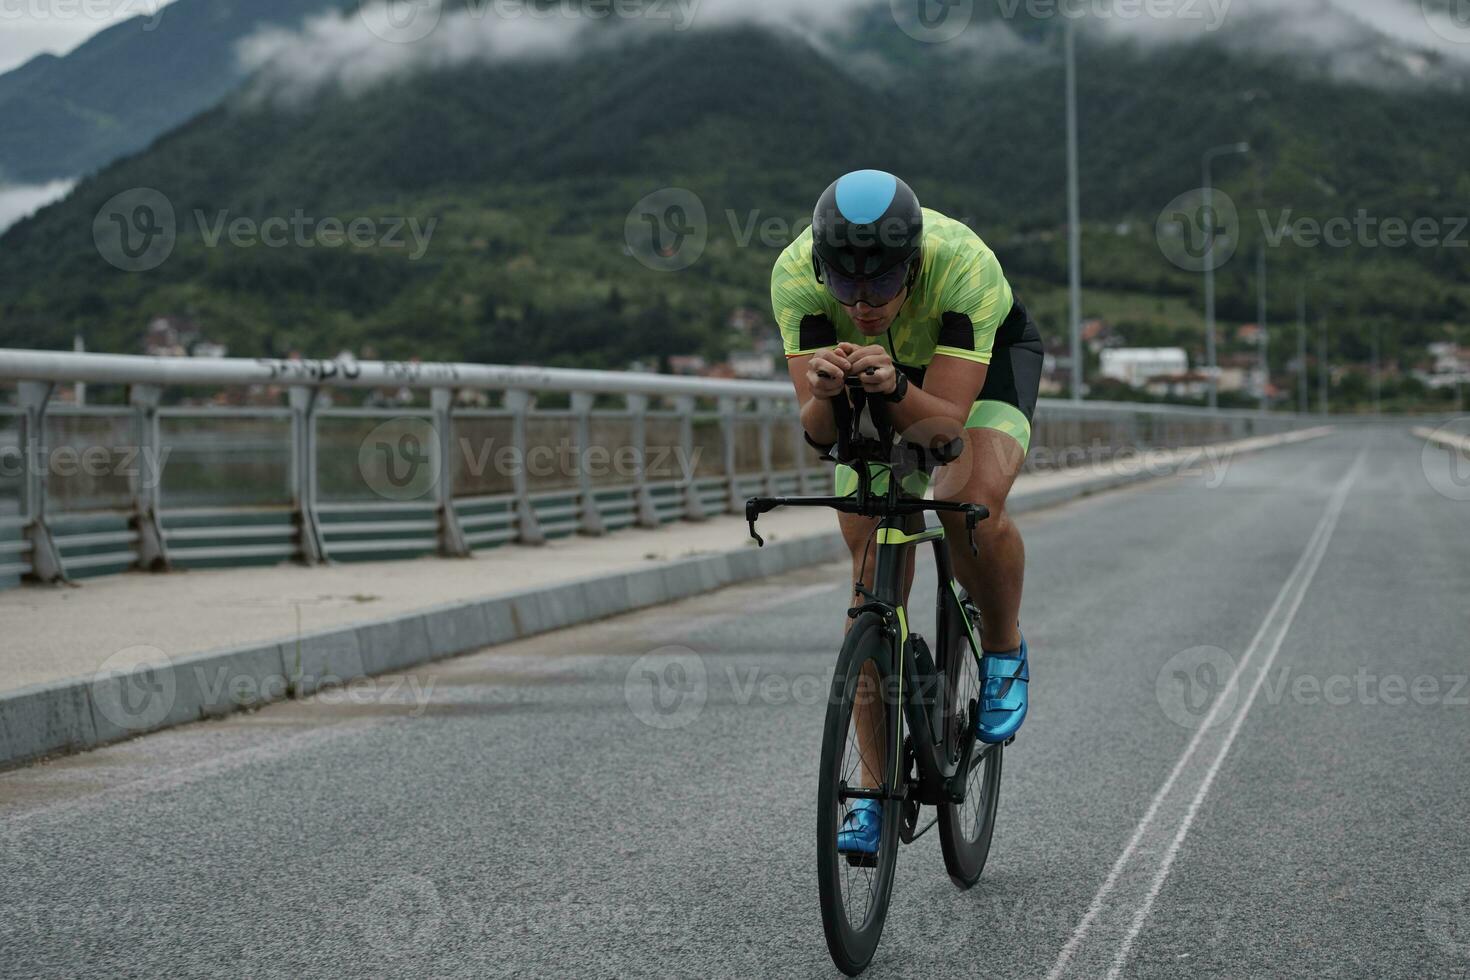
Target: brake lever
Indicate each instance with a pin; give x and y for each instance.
(974, 514)
(752, 514)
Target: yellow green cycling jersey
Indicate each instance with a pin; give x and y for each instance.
(957, 303)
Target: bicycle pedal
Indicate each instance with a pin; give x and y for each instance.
(862, 860)
(1011, 739)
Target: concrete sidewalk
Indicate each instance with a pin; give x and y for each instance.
(85, 665)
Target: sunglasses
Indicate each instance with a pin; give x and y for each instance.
(875, 292)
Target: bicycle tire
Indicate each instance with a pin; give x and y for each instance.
(852, 946)
(966, 829)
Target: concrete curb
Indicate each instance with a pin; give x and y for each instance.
(84, 713)
(1445, 440)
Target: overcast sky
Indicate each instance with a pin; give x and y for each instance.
(29, 27)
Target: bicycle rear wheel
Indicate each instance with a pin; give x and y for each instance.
(965, 829)
(854, 892)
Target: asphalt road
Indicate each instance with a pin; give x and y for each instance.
(1248, 756)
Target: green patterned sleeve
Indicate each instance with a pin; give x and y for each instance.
(795, 295)
(975, 287)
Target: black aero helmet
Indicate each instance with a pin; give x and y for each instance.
(866, 224)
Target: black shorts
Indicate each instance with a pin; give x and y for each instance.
(1015, 363)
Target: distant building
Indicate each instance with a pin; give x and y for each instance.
(1232, 378)
(1098, 334)
(169, 336)
(688, 364)
(1186, 385)
(753, 364)
(1134, 366)
(1450, 366)
(748, 320)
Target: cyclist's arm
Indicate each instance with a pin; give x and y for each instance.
(942, 406)
(951, 385)
(816, 413)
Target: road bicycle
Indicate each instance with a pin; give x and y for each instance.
(916, 745)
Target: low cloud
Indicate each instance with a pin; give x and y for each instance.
(1377, 42)
(355, 50)
(19, 201)
(1374, 41)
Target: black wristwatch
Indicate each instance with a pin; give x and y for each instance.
(900, 388)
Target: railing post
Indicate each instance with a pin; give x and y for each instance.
(647, 514)
(147, 484)
(693, 506)
(728, 432)
(303, 403)
(768, 465)
(528, 527)
(591, 517)
(451, 535)
(46, 563)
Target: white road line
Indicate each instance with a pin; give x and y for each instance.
(1113, 940)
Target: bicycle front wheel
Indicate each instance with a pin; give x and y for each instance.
(965, 829)
(859, 751)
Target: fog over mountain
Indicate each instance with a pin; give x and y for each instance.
(1375, 42)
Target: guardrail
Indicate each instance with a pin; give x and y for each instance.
(97, 489)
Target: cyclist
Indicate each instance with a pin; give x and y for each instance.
(916, 306)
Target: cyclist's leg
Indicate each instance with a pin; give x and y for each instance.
(858, 533)
(998, 435)
(995, 578)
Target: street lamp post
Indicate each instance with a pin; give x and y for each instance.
(1301, 348)
(1323, 374)
(1208, 213)
(1074, 212)
(1262, 312)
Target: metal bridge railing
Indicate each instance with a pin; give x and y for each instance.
(98, 489)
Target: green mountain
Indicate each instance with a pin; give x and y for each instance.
(526, 172)
(65, 116)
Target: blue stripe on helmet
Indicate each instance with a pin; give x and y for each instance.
(863, 195)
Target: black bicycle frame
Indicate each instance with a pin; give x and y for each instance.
(940, 780)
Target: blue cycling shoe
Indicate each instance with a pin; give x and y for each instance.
(1005, 679)
(861, 829)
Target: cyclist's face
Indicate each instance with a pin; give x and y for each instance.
(873, 320)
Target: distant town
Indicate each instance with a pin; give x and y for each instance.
(1115, 370)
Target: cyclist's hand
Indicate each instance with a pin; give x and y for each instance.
(826, 373)
(873, 366)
